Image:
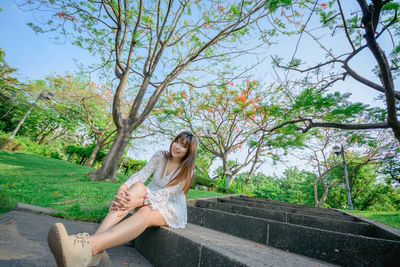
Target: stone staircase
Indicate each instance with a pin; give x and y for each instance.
(245, 231)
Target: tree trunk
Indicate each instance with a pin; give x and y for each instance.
(120, 166)
(319, 203)
(14, 133)
(224, 167)
(323, 199)
(253, 166)
(82, 160)
(111, 162)
(94, 152)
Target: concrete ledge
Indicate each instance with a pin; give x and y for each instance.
(329, 246)
(199, 246)
(32, 208)
(193, 201)
(280, 216)
(276, 203)
(336, 216)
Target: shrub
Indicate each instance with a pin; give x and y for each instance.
(203, 181)
(11, 145)
(83, 153)
(133, 165)
(220, 187)
(24, 144)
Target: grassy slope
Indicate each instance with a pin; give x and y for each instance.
(47, 182)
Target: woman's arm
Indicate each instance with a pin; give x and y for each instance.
(140, 176)
(146, 171)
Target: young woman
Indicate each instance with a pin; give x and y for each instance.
(161, 203)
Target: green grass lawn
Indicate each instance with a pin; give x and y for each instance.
(386, 217)
(57, 184)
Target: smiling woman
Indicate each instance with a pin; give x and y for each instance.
(161, 203)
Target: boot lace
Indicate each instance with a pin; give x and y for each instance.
(82, 238)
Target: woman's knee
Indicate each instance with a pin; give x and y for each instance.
(138, 188)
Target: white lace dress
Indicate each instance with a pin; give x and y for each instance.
(169, 200)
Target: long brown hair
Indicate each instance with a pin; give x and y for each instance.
(188, 161)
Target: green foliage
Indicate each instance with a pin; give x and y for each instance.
(273, 5)
(220, 187)
(24, 144)
(367, 191)
(390, 166)
(10, 145)
(293, 186)
(198, 180)
(83, 153)
(203, 162)
(132, 165)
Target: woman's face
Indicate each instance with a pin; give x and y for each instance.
(179, 149)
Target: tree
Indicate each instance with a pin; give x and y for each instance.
(228, 118)
(368, 147)
(364, 30)
(149, 44)
(89, 104)
(218, 116)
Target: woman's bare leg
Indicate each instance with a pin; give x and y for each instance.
(126, 230)
(115, 216)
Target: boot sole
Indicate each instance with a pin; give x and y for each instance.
(55, 244)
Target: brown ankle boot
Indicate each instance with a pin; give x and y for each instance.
(69, 251)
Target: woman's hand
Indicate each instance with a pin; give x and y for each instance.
(117, 204)
(126, 201)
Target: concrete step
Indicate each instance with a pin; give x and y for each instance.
(329, 246)
(200, 246)
(361, 228)
(287, 204)
(293, 210)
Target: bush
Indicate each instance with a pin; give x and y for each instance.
(83, 153)
(11, 145)
(132, 166)
(24, 144)
(220, 187)
(203, 181)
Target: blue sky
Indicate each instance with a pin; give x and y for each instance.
(33, 54)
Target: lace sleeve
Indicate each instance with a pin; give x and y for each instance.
(146, 171)
(162, 195)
